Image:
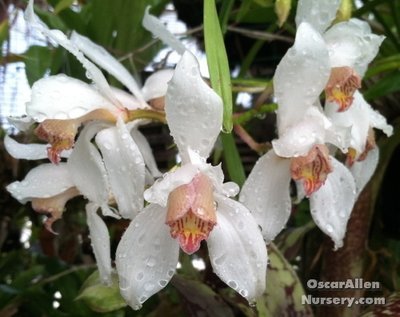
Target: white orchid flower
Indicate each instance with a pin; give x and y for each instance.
(300, 153)
(191, 204)
(351, 44)
(61, 103)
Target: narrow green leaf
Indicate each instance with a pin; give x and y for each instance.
(4, 26)
(62, 5)
(225, 11)
(218, 61)
(232, 159)
(385, 64)
(387, 85)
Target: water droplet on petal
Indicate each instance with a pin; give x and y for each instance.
(232, 284)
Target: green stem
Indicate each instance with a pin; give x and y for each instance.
(146, 114)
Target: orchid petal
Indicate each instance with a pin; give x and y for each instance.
(355, 118)
(190, 100)
(298, 139)
(301, 76)
(100, 242)
(159, 192)
(87, 168)
(146, 256)
(28, 151)
(319, 13)
(22, 123)
(43, 181)
(127, 100)
(237, 233)
(332, 204)
(125, 167)
(93, 72)
(63, 97)
(352, 44)
(266, 194)
(158, 29)
(106, 61)
(146, 151)
(156, 84)
(363, 171)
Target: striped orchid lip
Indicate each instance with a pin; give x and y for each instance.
(312, 169)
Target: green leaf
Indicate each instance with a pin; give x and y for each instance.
(284, 290)
(37, 61)
(201, 299)
(383, 65)
(62, 5)
(99, 297)
(232, 159)
(218, 61)
(52, 21)
(385, 86)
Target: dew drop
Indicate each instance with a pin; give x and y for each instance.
(170, 273)
(232, 284)
(244, 292)
(220, 260)
(151, 261)
(124, 284)
(162, 283)
(142, 299)
(139, 276)
(329, 228)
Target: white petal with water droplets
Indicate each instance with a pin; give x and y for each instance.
(146, 151)
(352, 44)
(92, 72)
(156, 84)
(100, 239)
(159, 192)
(355, 118)
(127, 100)
(266, 193)
(237, 250)
(125, 168)
(86, 167)
(363, 171)
(297, 140)
(146, 256)
(300, 76)
(332, 204)
(106, 61)
(43, 181)
(28, 151)
(319, 13)
(193, 110)
(63, 97)
(158, 29)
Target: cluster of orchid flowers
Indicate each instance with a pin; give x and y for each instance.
(110, 162)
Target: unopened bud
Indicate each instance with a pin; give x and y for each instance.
(282, 10)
